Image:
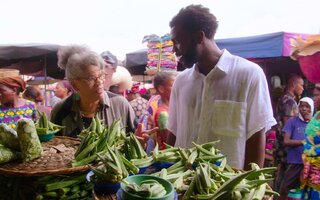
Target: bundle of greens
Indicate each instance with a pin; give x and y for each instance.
(7, 155)
(29, 141)
(8, 137)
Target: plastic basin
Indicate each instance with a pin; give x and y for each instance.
(45, 137)
(138, 179)
(103, 188)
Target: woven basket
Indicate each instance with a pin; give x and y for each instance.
(8, 73)
(56, 159)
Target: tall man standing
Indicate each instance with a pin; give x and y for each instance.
(220, 96)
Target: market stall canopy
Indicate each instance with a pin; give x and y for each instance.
(136, 61)
(40, 80)
(31, 59)
(260, 46)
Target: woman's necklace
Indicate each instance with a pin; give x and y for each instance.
(87, 115)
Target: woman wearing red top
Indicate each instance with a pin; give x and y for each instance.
(163, 82)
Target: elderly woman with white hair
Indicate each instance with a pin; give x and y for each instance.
(294, 137)
(85, 70)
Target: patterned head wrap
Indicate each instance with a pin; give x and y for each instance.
(14, 82)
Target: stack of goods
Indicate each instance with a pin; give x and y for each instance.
(160, 55)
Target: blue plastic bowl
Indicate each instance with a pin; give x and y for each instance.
(103, 188)
(142, 170)
(45, 137)
(160, 165)
(106, 188)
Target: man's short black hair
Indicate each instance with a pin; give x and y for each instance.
(196, 18)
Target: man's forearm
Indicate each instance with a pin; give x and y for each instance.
(171, 139)
(255, 149)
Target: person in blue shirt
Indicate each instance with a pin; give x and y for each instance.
(294, 135)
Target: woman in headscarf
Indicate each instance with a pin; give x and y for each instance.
(34, 93)
(311, 157)
(63, 90)
(12, 106)
(294, 136)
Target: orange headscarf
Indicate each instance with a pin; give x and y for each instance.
(13, 82)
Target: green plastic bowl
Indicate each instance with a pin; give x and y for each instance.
(45, 137)
(138, 179)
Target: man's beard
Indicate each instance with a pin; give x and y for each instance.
(190, 57)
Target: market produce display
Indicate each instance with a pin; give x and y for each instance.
(147, 188)
(44, 126)
(62, 187)
(200, 172)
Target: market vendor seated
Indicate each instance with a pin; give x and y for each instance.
(13, 107)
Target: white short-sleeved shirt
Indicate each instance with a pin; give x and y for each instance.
(230, 104)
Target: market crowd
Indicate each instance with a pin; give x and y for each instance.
(219, 96)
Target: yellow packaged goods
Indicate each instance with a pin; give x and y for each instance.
(29, 141)
(8, 137)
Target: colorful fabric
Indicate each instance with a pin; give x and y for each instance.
(310, 194)
(295, 127)
(13, 82)
(139, 106)
(312, 145)
(311, 173)
(160, 55)
(10, 116)
(270, 139)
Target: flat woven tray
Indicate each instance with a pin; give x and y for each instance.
(56, 159)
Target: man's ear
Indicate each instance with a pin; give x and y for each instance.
(199, 36)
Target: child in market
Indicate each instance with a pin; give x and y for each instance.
(294, 136)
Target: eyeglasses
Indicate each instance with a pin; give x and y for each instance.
(92, 80)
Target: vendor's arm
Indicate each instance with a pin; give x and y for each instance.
(289, 142)
(171, 140)
(255, 149)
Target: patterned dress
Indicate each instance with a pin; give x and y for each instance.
(139, 106)
(311, 175)
(10, 116)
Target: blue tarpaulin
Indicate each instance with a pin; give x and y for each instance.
(270, 45)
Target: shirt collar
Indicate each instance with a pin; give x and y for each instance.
(105, 101)
(223, 64)
(224, 61)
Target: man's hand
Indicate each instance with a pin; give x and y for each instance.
(143, 135)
